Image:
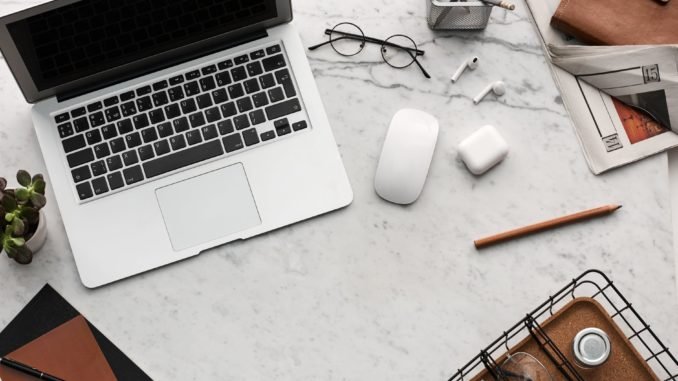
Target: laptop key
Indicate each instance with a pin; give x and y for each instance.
(117, 145)
(160, 99)
(209, 132)
(191, 88)
(115, 180)
(241, 59)
(98, 168)
(223, 79)
(126, 96)
(101, 150)
(62, 118)
(146, 152)
(84, 191)
(100, 186)
(281, 109)
(197, 119)
(267, 81)
(176, 80)
(133, 140)
(228, 109)
(177, 142)
(225, 65)
(225, 127)
(251, 86)
(193, 137)
(299, 125)
(162, 147)
(250, 137)
(160, 85)
(65, 130)
(192, 75)
(78, 112)
(207, 83)
(81, 174)
(209, 69)
(188, 106)
(81, 124)
(219, 96)
(282, 127)
(128, 109)
(268, 135)
(175, 93)
(233, 142)
(144, 90)
(273, 49)
(204, 100)
(257, 117)
(276, 95)
(235, 91)
(144, 103)
(114, 163)
(245, 104)
(73, 144)
(149, 135)
(125, 126)
(133, 175)
(212, 114)
(130, 158)
(181, 124)
(260, 99)
(274, 62)
(283, 77)
(156, 116)
(165, 129)
(79, 158)
(141, 121)
(93, 137)
(108, 102)
(257, 54)
(241, 122)
(172, 111)
(109, 131)
(97, 119)
(238, 74)
(95, 106)
(113, 114)
(254, 69)
(182, 159)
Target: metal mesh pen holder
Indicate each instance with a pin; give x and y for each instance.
(457, 15)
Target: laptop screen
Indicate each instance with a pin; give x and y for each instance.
(87, 37)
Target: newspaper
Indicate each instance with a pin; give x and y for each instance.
(623, 100)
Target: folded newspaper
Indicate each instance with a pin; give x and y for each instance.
(623, 100)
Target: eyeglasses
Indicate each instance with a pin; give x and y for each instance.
(520, 366)
(399, 50)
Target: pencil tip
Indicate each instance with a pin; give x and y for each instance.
(618, 207)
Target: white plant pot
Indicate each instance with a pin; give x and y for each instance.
(40, 236)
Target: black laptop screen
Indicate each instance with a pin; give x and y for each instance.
(91, 36)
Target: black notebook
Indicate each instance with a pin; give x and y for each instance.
(49, 310)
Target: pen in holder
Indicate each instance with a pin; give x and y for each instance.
(458, 15)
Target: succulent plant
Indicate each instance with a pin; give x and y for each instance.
(19, 214)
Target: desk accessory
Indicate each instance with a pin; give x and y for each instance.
(483, 150)
(591, 347)
(498, 88)
(457, 15)
(406, 156)
(546, 225)
(501, 4)
(612, 22)
(471, 63)
(547, 333)
(23, 226)
(49, 319)
(398, 51)
(28, 370)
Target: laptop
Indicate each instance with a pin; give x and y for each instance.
(169, 127)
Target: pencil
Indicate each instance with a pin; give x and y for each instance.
(545, 225)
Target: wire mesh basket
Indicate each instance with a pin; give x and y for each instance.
(598, 286)
(457, 15)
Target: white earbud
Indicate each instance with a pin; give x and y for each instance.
(471, 63)
(498, 88)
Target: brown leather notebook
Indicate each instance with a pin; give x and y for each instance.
(618, 22)
(69, 352)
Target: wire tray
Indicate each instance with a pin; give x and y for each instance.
(457, 15)
(598, 286)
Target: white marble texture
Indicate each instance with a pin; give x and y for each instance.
(378, 291)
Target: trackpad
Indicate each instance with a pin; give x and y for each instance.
(208, 207)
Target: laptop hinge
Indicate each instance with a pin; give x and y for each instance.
(222, 45)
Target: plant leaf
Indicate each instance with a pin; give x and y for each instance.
(18, 226)
(3, 184)
(23, 255)
(39, 186)
(30, 214)
(9, 203)
(37, 177)
(38, 200)
(22, 194)
(24, 178)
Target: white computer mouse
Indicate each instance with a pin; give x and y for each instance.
(406, 156)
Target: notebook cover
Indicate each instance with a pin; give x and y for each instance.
(49, 310)
(618, 22)
(69, 352)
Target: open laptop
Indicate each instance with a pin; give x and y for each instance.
(171, 126)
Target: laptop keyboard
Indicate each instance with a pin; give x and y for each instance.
(136, 136)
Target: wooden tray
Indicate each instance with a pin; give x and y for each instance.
(625, 363)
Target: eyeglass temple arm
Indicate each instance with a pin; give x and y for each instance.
(414, 57)
(374, 40)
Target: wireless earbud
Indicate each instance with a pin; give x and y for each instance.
(498, 88)
(471, 63)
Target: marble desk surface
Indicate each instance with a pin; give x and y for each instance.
(377, 291)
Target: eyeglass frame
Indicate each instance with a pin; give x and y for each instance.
(414, 53)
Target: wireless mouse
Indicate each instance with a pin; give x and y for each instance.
(406, 156)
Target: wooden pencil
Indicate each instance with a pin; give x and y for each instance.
(545, 225)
